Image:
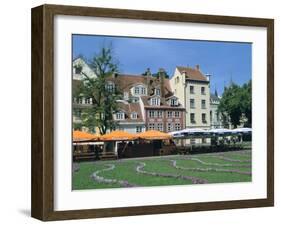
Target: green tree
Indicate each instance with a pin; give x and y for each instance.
(236, 103)
(103, 95)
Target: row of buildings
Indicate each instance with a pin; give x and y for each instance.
(156, 102)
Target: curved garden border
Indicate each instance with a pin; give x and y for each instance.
(101, 179)
(174, 164)
(194, 180)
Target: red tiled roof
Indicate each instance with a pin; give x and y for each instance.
(192, 73)
(126, 81)
(129, 108)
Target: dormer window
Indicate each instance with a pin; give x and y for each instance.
(126, 95)
(110, 86)
(155, 101)
(143, 91)
(134, 115)
(174, 102)
(120, 116)
(139, 90)
(157, 92)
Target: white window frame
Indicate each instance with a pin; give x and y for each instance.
(155, 101)
(160, 126)
(203, 106)
(170, 126)
(120, 116)
(194, 121)
(134, 115)
(192, 105)
(160, 114)
(151, 126)
(143, 91)
(203, 90)
(174, 102)
(151, 114)
(177, 114)
(177, 126)
(157, 91)
(110, 86)
(169, 114)
(193, 90)
(204, 121)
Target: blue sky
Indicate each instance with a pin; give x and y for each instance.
(223, 60)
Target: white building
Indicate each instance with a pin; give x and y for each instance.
(192, 88)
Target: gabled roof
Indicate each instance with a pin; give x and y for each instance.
(129, 108)
(126, 81)
(192, 73)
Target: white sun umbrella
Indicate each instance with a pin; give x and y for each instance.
(194, 131)
(242, 130)
(221, 131)
(176, 134)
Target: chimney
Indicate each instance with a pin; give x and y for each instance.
(197, 67)
(162, 81)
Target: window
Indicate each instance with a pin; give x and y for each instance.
(174, 102)
(204, 118)
(80, 100)
(143, 91)
(177, 114)
(191, 89)
(192, 117)
(88, 101)
(192, 103)
(138, 129)
(77, 69)
(155, 101)
(169, 114)
(203, 91)
(120, 115)
(203, 104)
(110, 87)
(134, 115)
(160, 114)
(157, 92)
(160, 126)
(169, 127)
(204, 140)
(126, 95)
(177, 80)
(151, 114)
(137, 90)
(177, 126)
(151, 126)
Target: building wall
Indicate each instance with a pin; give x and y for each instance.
(215, 117)
(181, 89)
(85, 69)
(131, 128)
(175, 122)
(198, 110)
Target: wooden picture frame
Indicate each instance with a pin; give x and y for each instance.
(43, 119)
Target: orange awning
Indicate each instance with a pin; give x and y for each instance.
(118, 135)
(79, 136)
(154, 135)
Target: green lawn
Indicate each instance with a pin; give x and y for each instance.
(221, 167)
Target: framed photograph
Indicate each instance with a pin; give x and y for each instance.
(142, 112)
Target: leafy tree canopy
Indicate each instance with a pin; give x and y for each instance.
(236, 102)
(104, 95)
